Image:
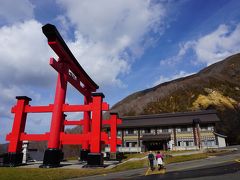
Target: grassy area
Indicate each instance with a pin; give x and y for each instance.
(46, 174)
(134, 155)
(71, 158)
(183, 158)
(178, 152)
(214, 152)
(59, 174)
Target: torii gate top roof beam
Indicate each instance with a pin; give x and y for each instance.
(61, 49)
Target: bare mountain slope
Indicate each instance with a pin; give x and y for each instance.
(179, 94)
(217, 86)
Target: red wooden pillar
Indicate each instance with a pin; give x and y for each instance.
(96, 122)
(86, 129)
(86, 123)
(198, 136)
(62, 129)
(113, 132)
(53, 154)
(196, 132)
(57, 115)
(14, 156)
(95, 157)
(15, 145)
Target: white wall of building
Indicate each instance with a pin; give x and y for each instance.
(221, 141)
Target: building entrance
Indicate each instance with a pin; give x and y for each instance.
(155, 145)
(156, 142)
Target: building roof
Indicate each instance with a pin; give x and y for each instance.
(169, 119)
(158, 137)
(220, 135)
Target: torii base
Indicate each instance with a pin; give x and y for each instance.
(95, 159)
(52, 158)
(84, 154)
(12, 159)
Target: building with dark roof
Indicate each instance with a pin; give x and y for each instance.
(174, 131)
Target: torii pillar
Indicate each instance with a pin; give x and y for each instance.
(14, 156)
(53, 154)
(95, 157)
(86, 129)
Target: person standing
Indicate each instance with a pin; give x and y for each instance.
(151, 160)
(159, 158)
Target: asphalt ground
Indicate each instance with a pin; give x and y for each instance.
(228, 170)
(219, 167)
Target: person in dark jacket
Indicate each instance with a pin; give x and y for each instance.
(151, 160)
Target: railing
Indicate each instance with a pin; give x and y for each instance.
(182, 148)
(125, 149)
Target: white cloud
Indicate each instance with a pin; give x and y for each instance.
(8, 94)
(24, 55)
(102, 67)
(110, 34)
(109, 21)
(12, 11)
(219, 44)
(210, 48)
(163, 79)
(24, 70)
(183, 49)
(7, 101)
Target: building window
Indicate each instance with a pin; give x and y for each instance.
(208, 143)
(181, 143)
(210, 128)
(134, 144)
(130, 131)
(207, 128)
(165, 130)
(183, 129)
(146, 131)
(119, 133)
(211, 143)
(131, 144)
(185, 143)
(189, 143)
(178, 129)
(153, 131)
(159, 131)
(204, 128)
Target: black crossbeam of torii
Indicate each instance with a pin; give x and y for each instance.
(76, 72)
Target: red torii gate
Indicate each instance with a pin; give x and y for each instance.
(69, 70)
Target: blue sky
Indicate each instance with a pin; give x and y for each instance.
(125, 46)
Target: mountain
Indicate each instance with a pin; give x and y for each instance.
(217, 86)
